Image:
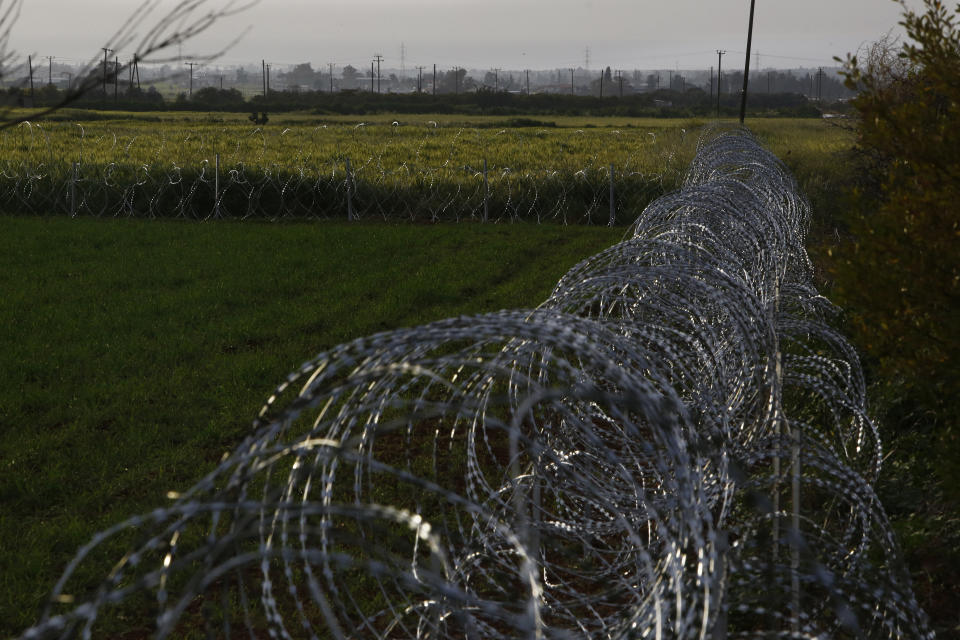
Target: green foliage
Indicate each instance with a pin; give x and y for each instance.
(906, 247)
(899, 277)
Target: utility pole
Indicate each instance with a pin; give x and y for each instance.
(434, 89)
(528, 81)
(746, 66)
(601, 83)
(820, 84)
(496, 79)
(191, 65)
(619, 73)
(105, 50)
(379, 59)
(268, 79)
(719, 67)
(30, 66)
(572, 88)
(456, 80)
(264, 75)
(711, 84)
(371, 76)
(670, 86)
(50, 67)
(116, 79)
(330, 66)
(420, 79)
(768, 81)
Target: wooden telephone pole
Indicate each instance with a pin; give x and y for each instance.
(746, 66)
(379, 59)
(719, 67)
(105, 51)
(191, 65)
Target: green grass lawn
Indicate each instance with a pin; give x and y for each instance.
(136, 353)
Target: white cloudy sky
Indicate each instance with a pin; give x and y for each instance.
(512, 34)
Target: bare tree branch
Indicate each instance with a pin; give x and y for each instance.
(150, 31)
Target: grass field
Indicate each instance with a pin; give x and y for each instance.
(294, 141)
(137, 352)
(297, 140)
(429, 168)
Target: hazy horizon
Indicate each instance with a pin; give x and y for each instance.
(495, 33)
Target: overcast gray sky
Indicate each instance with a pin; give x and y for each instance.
(512, 34)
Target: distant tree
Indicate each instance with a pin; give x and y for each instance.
(215, 98)
(349, 75)
(302, 75)
(450, 81)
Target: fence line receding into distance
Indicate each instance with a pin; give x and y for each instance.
(342, 174)
(673, 445)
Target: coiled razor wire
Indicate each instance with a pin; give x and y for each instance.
(673, 445)
(105, 180)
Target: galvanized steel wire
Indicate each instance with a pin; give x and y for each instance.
(50, 172)
(674, 444)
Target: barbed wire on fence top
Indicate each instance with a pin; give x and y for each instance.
(674, 444)
(303, 174)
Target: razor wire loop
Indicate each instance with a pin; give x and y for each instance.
(626, 460)
(386, 182)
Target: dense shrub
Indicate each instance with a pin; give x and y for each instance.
(900, 278)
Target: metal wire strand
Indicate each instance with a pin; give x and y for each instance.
(674, 444)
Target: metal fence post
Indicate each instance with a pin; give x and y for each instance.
(486, 193)
(73, 189)
(349, 191)
(613, 202)
(216, 188)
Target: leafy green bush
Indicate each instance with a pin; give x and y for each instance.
(900, 277)
(906, 248)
